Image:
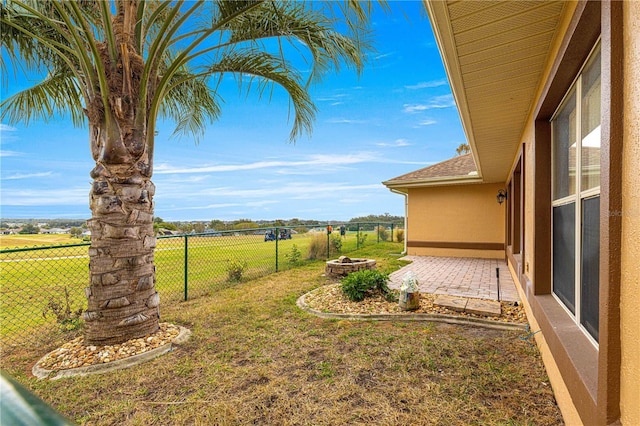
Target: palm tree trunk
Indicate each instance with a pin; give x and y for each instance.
(122, 300)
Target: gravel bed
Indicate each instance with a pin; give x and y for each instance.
(74, 353)
(330, 299)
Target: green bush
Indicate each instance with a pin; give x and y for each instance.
(365, 283)
(335, 243)
(293, 256)
(400, 235)
(383, 233)
(362, 238)
(235, 269)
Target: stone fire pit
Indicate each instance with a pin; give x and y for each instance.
(344, 265)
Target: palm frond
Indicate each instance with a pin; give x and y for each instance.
(58, 93)
(21, 37)
(191, 104)
(263, 71)
(304, 28)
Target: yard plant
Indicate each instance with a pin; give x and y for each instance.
(255, 358)
(122, 65)
(365, 283)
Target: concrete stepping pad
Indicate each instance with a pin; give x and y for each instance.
(451, 302)
(490, 308)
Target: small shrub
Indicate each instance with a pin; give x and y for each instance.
(293, 256)
(383, 233)
(400, 235)
(318, 246)
(235, 269)
(366, 283)
(362, 238)
(335, 243)
(67, 318)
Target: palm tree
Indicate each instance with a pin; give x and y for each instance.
(123, 64)
(463, 148)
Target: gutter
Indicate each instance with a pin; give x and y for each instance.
(439, 181)
(406, 213)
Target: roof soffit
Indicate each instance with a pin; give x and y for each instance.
(494, 53)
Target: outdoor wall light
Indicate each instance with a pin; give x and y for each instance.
(502, 195)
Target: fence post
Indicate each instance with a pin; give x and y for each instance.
(378, 229)
(358, 236)
(186, 266)
(277, 239)
(328, 242)
(391, 231)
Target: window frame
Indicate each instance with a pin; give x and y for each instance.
(578, 196)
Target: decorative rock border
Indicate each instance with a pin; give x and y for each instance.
(119, 364)
(449, 319)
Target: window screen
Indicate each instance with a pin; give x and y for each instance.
(564, 243)
(590, 264)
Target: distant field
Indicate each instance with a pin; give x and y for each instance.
(29, 240)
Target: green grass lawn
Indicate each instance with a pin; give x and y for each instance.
(255, 358)
(31, 281)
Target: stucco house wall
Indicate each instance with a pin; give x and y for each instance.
(630, 267)
(456, 220)
(611, 358)
(595, 382)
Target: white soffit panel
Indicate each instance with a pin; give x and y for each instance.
(494, 53)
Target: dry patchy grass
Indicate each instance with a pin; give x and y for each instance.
(255, 358)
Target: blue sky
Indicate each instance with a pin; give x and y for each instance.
(398, 116)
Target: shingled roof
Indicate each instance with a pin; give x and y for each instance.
(461, 167)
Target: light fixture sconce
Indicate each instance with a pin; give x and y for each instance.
(502, 195)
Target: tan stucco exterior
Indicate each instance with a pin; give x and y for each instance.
(630, 279)
(594, 382)
(630, 267)
(528, 138)
(454, 214)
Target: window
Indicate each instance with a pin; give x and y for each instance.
(576, 198)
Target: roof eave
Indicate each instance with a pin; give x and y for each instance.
(440, 24)
(404, 185)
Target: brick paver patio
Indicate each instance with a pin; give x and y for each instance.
(456, 276)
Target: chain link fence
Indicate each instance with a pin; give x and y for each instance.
(42, 288)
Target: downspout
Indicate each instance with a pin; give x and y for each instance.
(406, 213)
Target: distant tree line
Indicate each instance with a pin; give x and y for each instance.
(383, 218)
(51, 223)
(198, 227)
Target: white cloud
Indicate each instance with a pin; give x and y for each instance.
(412, 109)
(345, 121)
(333, 98)
(382, 56)
(293, 190)
(427, 122)
(189, 179)
(27, 175)
(426, 84)
(396, 143)
(437, 102)
(442, 101)
(45, 197)
(5, 153)
(314, 160)
(7, 128)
